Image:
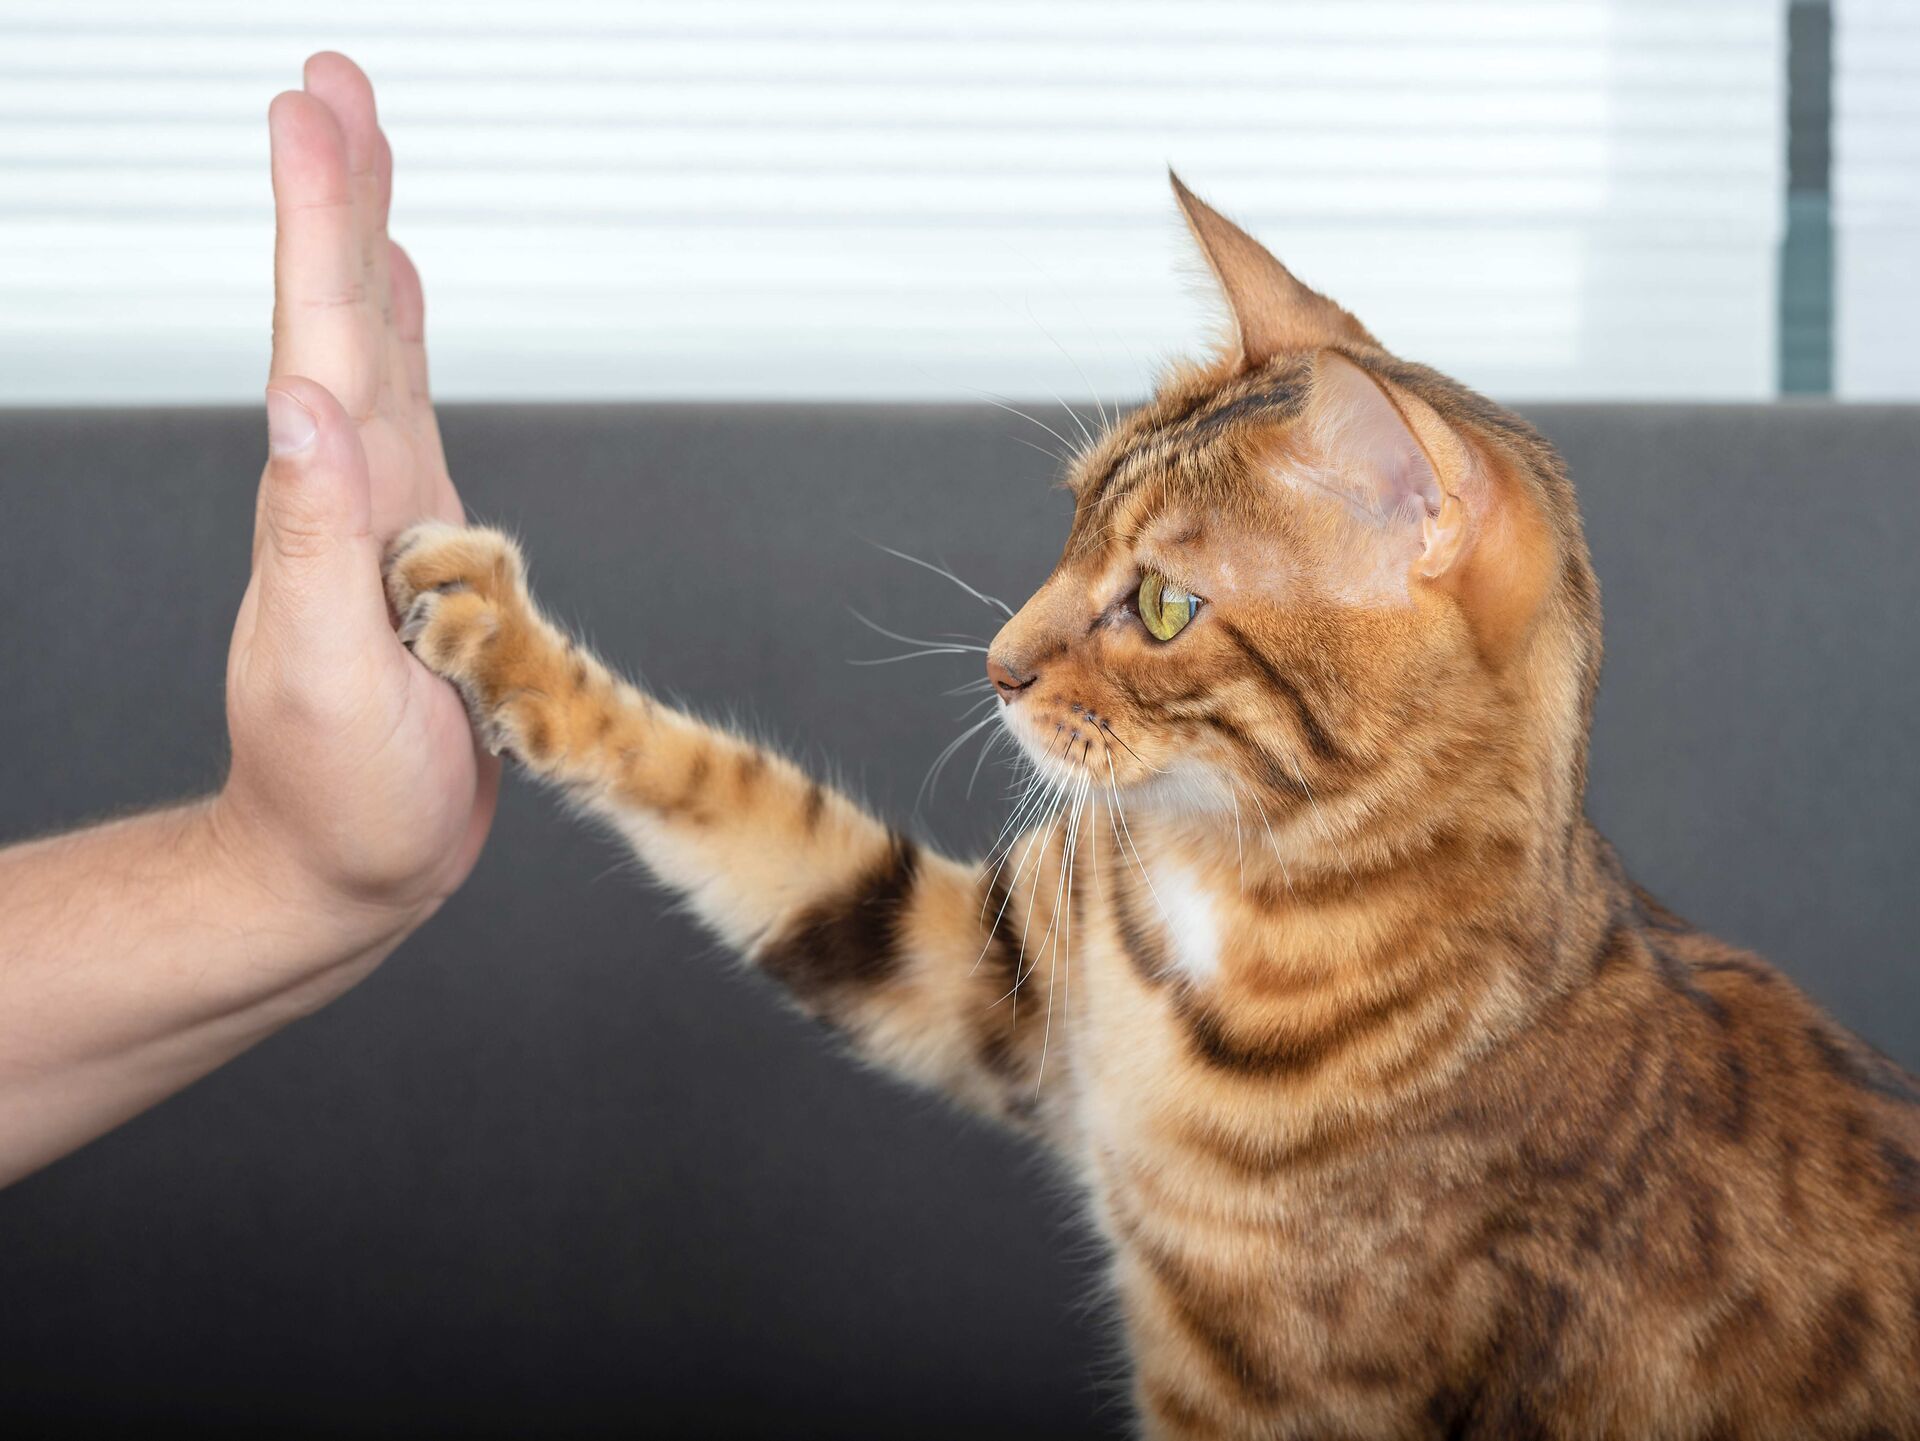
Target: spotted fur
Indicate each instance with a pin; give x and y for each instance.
(1405, 1112)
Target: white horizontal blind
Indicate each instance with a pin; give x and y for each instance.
(1876, 198)
(743, 198)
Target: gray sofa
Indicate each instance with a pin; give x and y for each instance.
(559, 1168)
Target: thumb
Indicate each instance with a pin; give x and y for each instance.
(315, 497)
(315, 557)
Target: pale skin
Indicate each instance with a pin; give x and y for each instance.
(137, 956)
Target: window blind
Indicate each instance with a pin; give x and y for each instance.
(750, 199)
(1876, 198)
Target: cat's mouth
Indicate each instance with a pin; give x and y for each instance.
(1068, 745)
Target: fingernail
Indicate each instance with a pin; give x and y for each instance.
(290, 425)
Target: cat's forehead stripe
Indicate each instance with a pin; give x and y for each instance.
(1276, 402)
(1186, 434)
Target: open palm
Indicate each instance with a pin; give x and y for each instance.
(333, 721)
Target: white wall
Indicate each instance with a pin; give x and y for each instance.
(855, 198)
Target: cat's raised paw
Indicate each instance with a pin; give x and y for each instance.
(458, 593)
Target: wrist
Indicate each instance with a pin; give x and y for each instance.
(245, 852)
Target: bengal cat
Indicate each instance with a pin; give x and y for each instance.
(1405, 1112)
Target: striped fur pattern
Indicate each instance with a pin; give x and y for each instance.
(1404, 1111)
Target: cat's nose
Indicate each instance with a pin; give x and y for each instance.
(1004, 680)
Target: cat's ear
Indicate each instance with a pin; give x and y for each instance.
(1369, 454)
(1273, 313)
(1452, 515)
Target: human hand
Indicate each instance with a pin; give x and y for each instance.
(356, 789)
(138, 955)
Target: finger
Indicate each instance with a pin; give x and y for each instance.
(410, 341)
(319, 322)
(344, 89)
(409, 319)
(383, 182)
(381, 273)
(317, 561)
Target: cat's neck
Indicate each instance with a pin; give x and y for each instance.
(1297, 920)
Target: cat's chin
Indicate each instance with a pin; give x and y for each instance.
(1064, 758)
(1185, 788)
(1060, 773)
(1190, 788)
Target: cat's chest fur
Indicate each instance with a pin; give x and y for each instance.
(1232, 1263)
(1274, 1240)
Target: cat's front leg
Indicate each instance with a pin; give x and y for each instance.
(914, 956)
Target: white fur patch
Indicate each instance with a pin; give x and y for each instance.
(1191, 924)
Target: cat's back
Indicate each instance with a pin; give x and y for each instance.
(1766, 1066)
(1711, 1203)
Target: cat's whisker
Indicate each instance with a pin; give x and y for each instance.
(1326, 831)
(1072, 414)
(1095, 536)
(1121, 810)
(1099, 404)
(912, 655)
(972, 709)
(1239, 842)
(1006, 899)
(1037, 788)
(1093, 859)
(617, 868)
(1115, 735)
(1273, 843)
(1080, 424)
(1031, 803)
(1053, 921)
(941, 570)
(1093, 840)
(1040, 791)
(1071, 800)
(1021, 969)
(1061, 961)
(879, 629)
(1027, 782)
(995, 400)
(932, 777)
(1006, 896)
(986, 750)
(1050, 453)
(1057, 796)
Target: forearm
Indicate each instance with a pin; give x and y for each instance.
(137, 956)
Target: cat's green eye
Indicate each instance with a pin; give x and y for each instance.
(1164, 606)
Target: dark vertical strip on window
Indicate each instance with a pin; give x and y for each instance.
(1806, 255)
